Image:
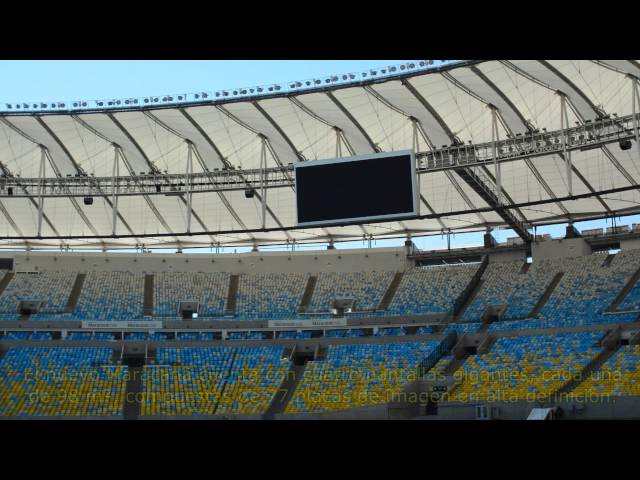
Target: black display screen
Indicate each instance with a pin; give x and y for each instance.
(380, 186)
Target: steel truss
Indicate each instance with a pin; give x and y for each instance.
(591, 135)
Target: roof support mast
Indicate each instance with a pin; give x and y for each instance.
(496, 164)
(416, 148)
(188, 183)
(564, 122)
(263, 189)
(40, 189)
(116, 188)
(635, 102)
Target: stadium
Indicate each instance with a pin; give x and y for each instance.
(193, 256)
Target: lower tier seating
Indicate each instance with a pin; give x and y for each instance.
(525, 368)
(61, 381)
(619, 375)
(213, 380)
(357, 375)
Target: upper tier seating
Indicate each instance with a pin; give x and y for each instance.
(60, 381)
(500, 280)
(358, 374)
(631, 259)
(530, 287)
(208, 289)
(431, 289)
(271, 295)
(111, 296)
(51, 287)
(584, 293)
(525, 368)
(366, 288)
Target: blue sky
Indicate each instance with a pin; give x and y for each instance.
(64, 80)
(55, 81)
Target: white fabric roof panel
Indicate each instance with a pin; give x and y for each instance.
(400, 97)
(449, 104)
(325, 108)
(388, 129)
(312, 138)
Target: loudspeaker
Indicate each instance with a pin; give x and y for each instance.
(249, 193)
(625, 144)
(28, 307)
(188, 309)
(88, 200)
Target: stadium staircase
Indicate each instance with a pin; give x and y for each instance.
(545, 296)
(5, 281)
(76, 290)
(232, 296)
(131, 409)
(623, 293)
(485, 186)
(308, 294)
(491, 314)
(608, 260)
(320, 352)
(391, 291)
(445, 347)
(148, 296)
(471, 290)
(611, 343)
(289, 385)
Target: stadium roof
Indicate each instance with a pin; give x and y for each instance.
(459, 117)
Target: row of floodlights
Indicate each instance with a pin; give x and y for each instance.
(226, 93)
(25, 106)
(328, 80)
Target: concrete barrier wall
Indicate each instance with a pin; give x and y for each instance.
(256, 262)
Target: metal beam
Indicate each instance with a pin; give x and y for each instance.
(189, 176)
(134, 175)
(347, 114)
(73, 200)
(474, 180)
(527, 126)
(280, 131)
(598, 112)
(109, 202)
(503, 97)
(457, 157)
(317, 117)
(418, 96)
(546, 221)
(273, 153)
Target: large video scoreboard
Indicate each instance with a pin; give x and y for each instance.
(357, 189)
